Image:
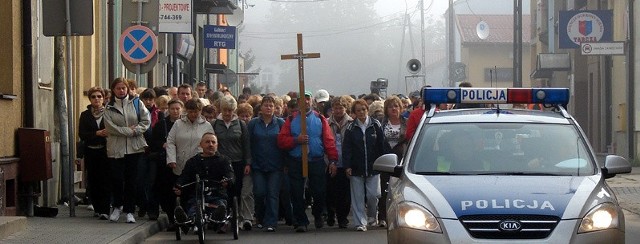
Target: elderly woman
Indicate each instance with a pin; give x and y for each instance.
(363, 143)
(92, 131)
(183, 141)
(267, 164)
(394, 127)
(184, 137)
(126, 119)
(233, 142)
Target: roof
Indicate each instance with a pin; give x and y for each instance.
(500, 28)
(487, 115)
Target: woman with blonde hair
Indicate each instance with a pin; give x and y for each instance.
(233, 142)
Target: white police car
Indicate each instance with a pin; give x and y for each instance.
(501, 175)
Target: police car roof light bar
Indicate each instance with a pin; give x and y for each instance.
(554, 96)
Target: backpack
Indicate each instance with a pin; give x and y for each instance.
(136, 105)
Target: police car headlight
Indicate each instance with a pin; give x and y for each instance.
(412, 215)
(601, 217)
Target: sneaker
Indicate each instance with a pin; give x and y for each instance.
(103, 217)
(361, 228)
(246, 225)
(180, 215)
(373, 221)
(195, 230)
(130, 218)
(301, 228)
(382, 224)
(115, 215)
(90, 207)
(271, 229)
(259, 226)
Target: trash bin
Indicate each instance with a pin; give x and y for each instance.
(8, 186)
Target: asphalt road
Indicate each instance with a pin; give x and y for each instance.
(284, 234)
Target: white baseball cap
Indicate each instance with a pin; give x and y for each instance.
(322, 95)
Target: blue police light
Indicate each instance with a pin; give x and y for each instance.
(496, 95)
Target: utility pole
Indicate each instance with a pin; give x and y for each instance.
(452, 42)
(517, 43)
(424, 78)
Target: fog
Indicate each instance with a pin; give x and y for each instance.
(359, 41)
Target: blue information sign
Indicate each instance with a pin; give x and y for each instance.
(216, 36)
(577, 27)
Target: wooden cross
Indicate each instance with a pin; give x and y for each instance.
(302, 105)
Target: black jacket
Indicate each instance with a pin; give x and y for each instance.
(213, 168)
(159, 133)
(87, 128)
(359, 152)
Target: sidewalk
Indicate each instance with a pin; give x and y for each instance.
(84, 228)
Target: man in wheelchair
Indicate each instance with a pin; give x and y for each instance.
(212, 167)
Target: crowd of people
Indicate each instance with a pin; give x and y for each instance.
(140, 145)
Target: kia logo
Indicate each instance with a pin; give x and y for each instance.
(510, 225)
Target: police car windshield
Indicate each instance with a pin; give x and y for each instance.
(500, 149)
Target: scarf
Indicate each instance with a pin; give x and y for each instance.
(97, 113)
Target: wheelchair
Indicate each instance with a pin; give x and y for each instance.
(204, 217)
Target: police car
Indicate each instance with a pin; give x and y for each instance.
(501, 175)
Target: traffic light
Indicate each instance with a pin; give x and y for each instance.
(414, 66)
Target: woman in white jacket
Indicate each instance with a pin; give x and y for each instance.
(126, 119)
(184, 138)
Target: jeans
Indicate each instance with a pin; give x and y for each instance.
(317, 185)
(123, 180)
(361, 188)
(266, 190)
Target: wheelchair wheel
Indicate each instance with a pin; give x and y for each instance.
(235, 222)
(200, 222)
(178, 227)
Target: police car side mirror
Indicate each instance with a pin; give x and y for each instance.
(388, 163)
(614, 164)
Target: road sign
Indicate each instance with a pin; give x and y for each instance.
(54, 17)
(149, 14)
(216, 36)
(175, 16)
(138, 44)
(602, 48)
(458, 71)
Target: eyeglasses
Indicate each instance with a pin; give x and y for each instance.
(96, 96)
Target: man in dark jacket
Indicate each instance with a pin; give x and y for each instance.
(211, 166)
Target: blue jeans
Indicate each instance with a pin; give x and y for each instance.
(317, 185)
(266, 190)
(361, 188)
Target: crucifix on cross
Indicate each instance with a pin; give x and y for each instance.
(302, 106)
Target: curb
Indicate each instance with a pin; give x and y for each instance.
(140, 233)
(11, 225)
